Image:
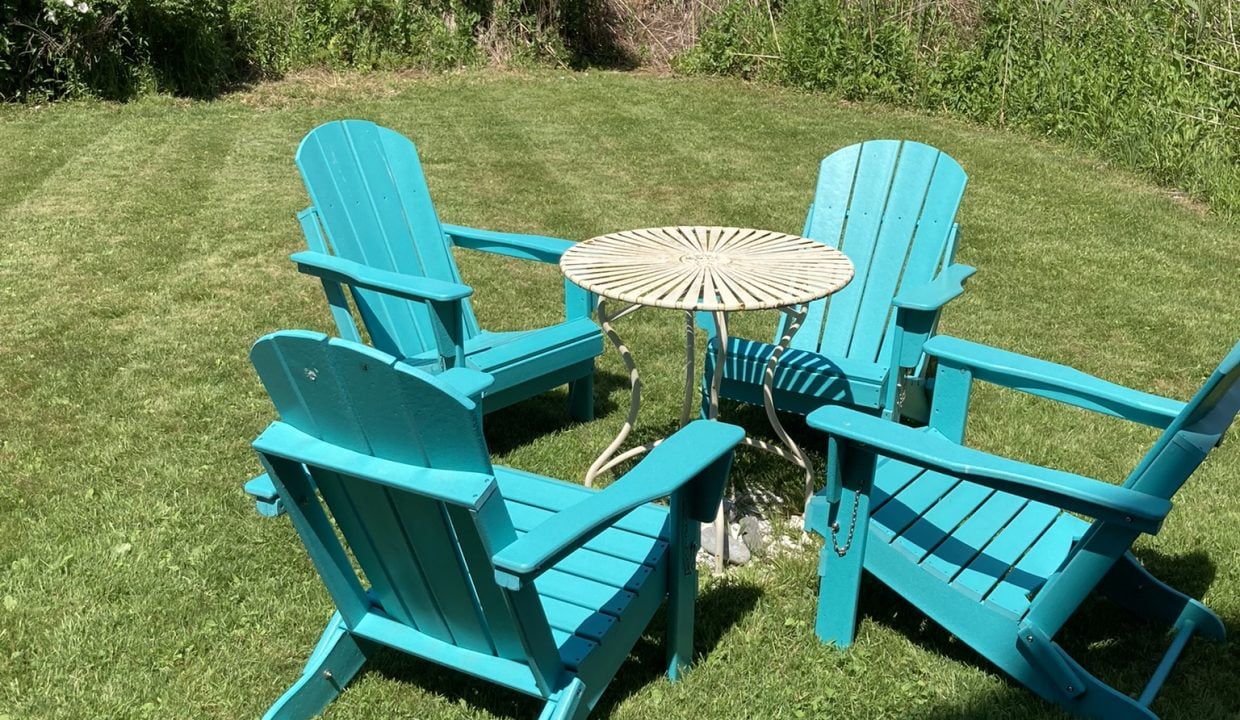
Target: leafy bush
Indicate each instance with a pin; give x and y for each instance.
(1153, 85)
(116, 48)
(65, 47)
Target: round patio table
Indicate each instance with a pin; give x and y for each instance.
(705, 269)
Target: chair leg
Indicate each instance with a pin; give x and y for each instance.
(1044, 667)
(1131, 586)
(581, 398)
(337, 657)
(839, 589)
(682, 596)
(842, 560)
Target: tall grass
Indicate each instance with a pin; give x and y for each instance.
(1153, 85)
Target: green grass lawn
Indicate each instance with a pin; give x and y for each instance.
(144, 248)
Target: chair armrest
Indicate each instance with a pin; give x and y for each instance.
(1053, 381)
(526, 247)
(930, 450)
(267, 501)
(933, 295)
(696, 449)
(410, 287)
(467, 381)
(578, 303)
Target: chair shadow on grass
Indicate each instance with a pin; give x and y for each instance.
(773, 483)
(1118, 647)
(718, 609)
(522, 423)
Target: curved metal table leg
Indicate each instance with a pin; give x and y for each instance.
(605, 460)
(791, 451)
(712, 412)
(690, 368)
(608, 459)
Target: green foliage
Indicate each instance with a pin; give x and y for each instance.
(376, 34)
(62, 47)
(186, 44)
(737, 42)
(1152, 85)
(116, 48)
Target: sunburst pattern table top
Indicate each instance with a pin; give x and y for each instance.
(707, 268)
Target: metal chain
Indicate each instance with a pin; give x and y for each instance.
(852, 527)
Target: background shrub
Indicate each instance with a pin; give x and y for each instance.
(1151, 84)
(117, 48)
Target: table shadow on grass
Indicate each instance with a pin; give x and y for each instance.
(761, 482)
(1118, 647)
(768, 482)
(719, 608)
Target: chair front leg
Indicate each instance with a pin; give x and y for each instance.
(682, 584)
(850, 477)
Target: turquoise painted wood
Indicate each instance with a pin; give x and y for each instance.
(373, 235)
(371, 228)
(890, 206)
(526, 582)
(995, 550)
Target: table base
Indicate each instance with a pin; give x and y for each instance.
(789, 451)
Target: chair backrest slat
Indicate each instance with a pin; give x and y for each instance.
(427, 561)
(935, 236)
(480, 533)
(363, 511)
(1199, 427)
(876, 163)
(889, 206)
(368, 190)
(891, 257)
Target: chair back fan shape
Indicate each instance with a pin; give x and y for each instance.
(890, 206)
(371, 202)
(402, 539)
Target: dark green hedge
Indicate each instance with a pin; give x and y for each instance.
(118, 48)
(1151, 84)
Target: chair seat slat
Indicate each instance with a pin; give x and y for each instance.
(940, 522)
(913, 501)
(1005, 548)
(955, 553)
(1016, 590)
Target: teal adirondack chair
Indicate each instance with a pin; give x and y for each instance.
(371, 227)
(992, 549)
(523, 581)
(890, 206)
